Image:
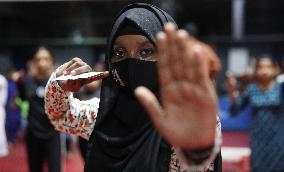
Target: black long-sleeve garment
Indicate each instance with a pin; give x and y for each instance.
(124, 138)
(38, 123)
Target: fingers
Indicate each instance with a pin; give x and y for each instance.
(63, 68)
(105, 74)
(74, 67)
(77, 67)
(172, 50)
(193, 57)
(215, 65)
(152, 106)
(176, 56)
(183, 57)
(163, 62)
(169, 65)
(169, 61)
(184, 44)
(213, 60)
(80, 69)
(95, 78)
(201, 69)
(75, 85)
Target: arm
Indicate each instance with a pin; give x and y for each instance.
(65, 112)
(187, 116)
(238, 102)
(68, 114)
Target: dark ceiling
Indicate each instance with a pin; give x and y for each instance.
(264, 17)
(64, 19)
(57, 19)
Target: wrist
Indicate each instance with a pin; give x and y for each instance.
(197, 156)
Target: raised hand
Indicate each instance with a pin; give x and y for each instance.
(75, 67)
(187, 116)
(231, 83)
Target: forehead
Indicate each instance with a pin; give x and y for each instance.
(265, 61)
(130, 39)
(42, 54)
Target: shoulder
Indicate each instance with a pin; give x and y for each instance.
(2, 78)
(252, 88)
(280, 78)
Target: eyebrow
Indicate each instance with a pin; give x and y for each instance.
(146, 42)
(140, 43)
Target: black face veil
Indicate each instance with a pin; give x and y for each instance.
(124, 138)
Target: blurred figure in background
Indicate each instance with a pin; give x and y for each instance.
(280, 77)
(240, 121)
(43, 142)
(266, 99)
(3, 99)
(245, 79)
(13, 118)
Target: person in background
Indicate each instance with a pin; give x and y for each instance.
(43, 142)
(280, 77)
(265, 96)
(13, 118)
(24, 104)
(176, 92)
(3, 99)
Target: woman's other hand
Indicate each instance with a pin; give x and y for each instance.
(76, 66)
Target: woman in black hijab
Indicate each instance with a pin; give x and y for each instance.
(123, 138)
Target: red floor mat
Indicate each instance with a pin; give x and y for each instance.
(16, 161)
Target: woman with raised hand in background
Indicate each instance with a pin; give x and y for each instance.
(265, 96)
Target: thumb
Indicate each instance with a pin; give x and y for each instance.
(152, 105)
(102, 75)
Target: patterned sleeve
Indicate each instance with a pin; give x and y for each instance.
(68, 114)
(197, 160)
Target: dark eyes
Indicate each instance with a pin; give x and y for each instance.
(119, 52)
(146, 52)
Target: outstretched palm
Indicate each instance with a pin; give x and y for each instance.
(187, 116)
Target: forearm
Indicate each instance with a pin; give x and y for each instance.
(233, 95)
(68, 114)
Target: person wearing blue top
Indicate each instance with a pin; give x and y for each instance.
(265, 96)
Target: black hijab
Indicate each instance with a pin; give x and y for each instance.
(124, 138)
